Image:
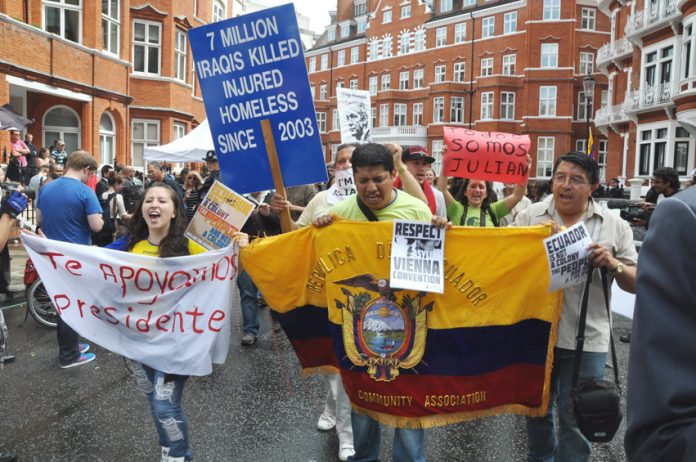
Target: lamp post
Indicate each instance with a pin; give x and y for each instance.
(588, 85)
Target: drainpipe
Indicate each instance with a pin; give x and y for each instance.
(471, 69)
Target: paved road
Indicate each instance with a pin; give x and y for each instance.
(256, 407)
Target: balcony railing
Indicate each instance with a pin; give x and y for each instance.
(401, 130)
(652, 95)
(607, 115)
(614, 50)
(648, 17)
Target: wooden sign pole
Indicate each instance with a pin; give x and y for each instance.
(285, 220)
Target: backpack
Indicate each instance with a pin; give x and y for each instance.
(109, 225)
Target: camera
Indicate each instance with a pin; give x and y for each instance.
(630, 210)
(10, 186)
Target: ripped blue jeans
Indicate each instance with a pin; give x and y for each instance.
(165, 403)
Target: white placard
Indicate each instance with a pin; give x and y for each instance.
(354, 114)
(568, 256)
(417, 257)
(342, 187)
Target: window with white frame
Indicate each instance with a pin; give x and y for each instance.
(374, 49)
(362, 24)
(417, 113)
(418, 78)
(588, 18)
(180, 50)
(360, 7)
(322, 92)
(689, 51)
(547, 101)
(549, 55)
(486, 67)
(486, 105)
(510, 22)
(372, 85)
(340, 84)
(468, 2)
(586, 62)
(405, 11)
(552, 10)
(404, 77)
(219, 10)
(63, 18)
(460, 32)
(335, 121)
(438, 109)
(386, 82)
(488, 27)
(373, 113)
(387, 46)
(331, 33)
(404, 42)
(341, 58)
(321, 121)
(445, 5)
(602, 150)
(146, 133)
(683, 145)
(387, 16)
(545, 150)
(652, 150)
(313, 91)
(384, 115)
(353, 84)
(582, 106)
(440, 37)
(312, 64)
(457, 109)
(111, 25)
(507, 105)
(179, 130)
(345, 29)
(440, 73)
(324, 62)
(657, 74)
(399, 114)
(419, 40)
(509, 64)
(107, 139)
(147, 42)
(436, 152)
(354, 55)
(459, 72)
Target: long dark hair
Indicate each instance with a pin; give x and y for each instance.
(175, 244)
(460, 194)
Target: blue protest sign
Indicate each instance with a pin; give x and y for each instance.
(252, 68)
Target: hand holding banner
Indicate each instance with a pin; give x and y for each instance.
(489, 156)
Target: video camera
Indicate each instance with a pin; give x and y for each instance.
(10, 186)
(630, 210)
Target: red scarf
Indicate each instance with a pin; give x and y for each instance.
(427, 189)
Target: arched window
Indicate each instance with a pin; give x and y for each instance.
(61, 122)
(219, 11)
(107, 139)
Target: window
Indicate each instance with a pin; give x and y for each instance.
(179, 131)
(312, 64)
(445, 5)
(403, 80)
(486, 67)
(586, 63)
(340, 84)
(387, 46)
(387, 16)
(487, 105)
(582, 106)
(374, 49)
(373, 112)
(146, 47)
(331, 33)
(64, 18)
(418, 78)
(488, 25)
(588, 19)
(399, 114)
(384, 115)
(681, 151)
(419, 40)
(602, 149)
(417, 113)
(652, 151)
(469, 2)
(438, 110)
(460, 32)
(657, 75)
(386, 82)
(335, 122)
(459, 72)
(219, 10)
(552, 10)
(360, 8)
(324, 62)
(545, 149)
(345, 30)
(441, 37)
(146, 133)
(457, 109)
(510, 22)
(405, 11)
(404, 42)
(322, 92)
(341, 58)
(313, 91)
(180, 56)
(111, 25)
(440, 73)
(688, 51)
(353, 84)
(372, 85)
(507, 105)
(362, 25)
(107, 139)
(321, 121)
(436, 151)
(354, 55)
(549, 55)
(509, 62)
(547, 101)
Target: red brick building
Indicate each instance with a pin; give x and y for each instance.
(650, 63)
(514, 66)
(110, 77)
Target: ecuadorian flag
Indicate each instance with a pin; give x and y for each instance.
(409, 358)
(591, 147)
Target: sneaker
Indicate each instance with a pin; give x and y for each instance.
(83, 347)
(248, 339)
(626, 338)
(345, 452)
(326, 421)
(82, 359)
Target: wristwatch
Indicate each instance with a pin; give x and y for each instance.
(618, 270)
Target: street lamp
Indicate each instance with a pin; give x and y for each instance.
(588, 84)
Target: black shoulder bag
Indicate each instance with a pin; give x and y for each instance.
(369, 214)
(596, 402)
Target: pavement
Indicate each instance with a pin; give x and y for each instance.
(255, 407)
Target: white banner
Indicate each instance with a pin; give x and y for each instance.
(172, 314)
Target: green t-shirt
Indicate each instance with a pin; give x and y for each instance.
(404, 207)
(473, 214)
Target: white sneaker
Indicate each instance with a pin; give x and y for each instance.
(165, 454)
(345, 452)
(326, 421)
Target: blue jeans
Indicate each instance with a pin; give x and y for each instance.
(571, 445)
(165, 403)
(68, 343)
(408, 443)
(249, 302)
